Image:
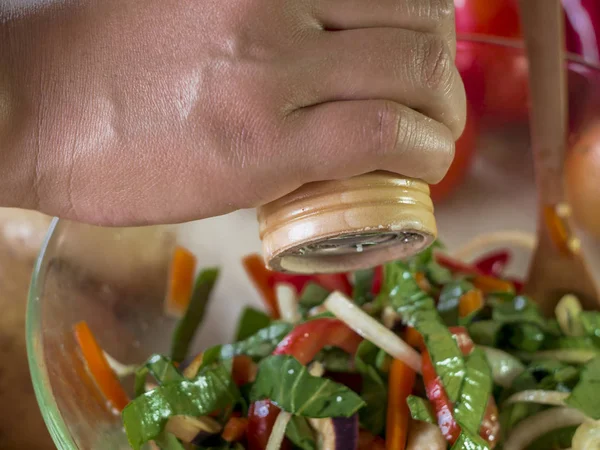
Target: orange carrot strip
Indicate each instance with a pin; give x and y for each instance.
(181, 281)
(413, 338)
(402, 380)
(235, 429)
(260, 276)
(557, 229)
(98, 366)
(489, 285)
(192, 369)
(470, 302)
(243, 370)
(422, 281)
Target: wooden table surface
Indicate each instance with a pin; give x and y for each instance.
(21, 424)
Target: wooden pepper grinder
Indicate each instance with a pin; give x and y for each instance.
(344, 225)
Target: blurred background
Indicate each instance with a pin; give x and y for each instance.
(495, 78)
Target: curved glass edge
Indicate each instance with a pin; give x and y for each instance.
(35, 354)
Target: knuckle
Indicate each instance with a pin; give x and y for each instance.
(442, 10)
(443, 158)
(388, 129)
(437, 65)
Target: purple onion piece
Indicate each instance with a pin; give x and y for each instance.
(337, 433)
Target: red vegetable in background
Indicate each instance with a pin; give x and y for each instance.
(463, 157)
(261, 418)
(493, 264)
(488, 17)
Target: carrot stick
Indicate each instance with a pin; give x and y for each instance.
(470, 302)
(260, 275)
(402, 380)
(235, 429)
(413, 338)
(181, 281)
(489, 285)
(422, 281)
(98, 366)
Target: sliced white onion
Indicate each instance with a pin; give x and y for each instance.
(566, 355)
(540, 396)
(278, 432)
(505, 367)
(316, 369)
(121, 370)
(531, 428)
(587, 436)
(389, 317)
(567, 313)
(495, 239)
(353, 316)
(287, 301)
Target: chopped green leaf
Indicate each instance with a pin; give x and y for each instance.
(518, 311)
(373, 391)
(585, 394)
(470, 441)
(312, 295)
(426, 263)
(250, 322)
(363, 283)
(139, 387)
(420, 409)
(475, 392)
(299, 393)
(145, 417)
(300, 433)
(260, 344)
(449, 299)
(485, 332)
(417, 309)
(187, 326)
(162, 369)
(526, 336)
(590, 320)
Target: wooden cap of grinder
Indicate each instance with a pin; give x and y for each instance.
(344, 225)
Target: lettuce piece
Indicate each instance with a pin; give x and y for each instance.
(585, 394)
(251, 321)
(300, 433)
(470, 441)
(145, 417)
(426, 263)
(335, 360)
(420, 409)
(258, 345)
(160, 367)
(475, 392)
(417, 309)
(374, 389)
(363, 282)
(449, 298)
(189, 323)
(312, 295)
(287, 383)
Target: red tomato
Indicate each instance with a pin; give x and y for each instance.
(488, 17)
(309, 338)
(463, 157)
(261, 418)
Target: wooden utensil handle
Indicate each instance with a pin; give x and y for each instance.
(543, 28)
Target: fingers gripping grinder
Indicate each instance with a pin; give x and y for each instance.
(344, 225)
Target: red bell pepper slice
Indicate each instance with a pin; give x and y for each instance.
(261, 418)
(377, 280)
(309, 338)
(493, 264)
(456, 266)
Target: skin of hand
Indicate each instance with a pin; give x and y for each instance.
(123, 112)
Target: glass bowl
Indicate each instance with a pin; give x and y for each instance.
(115, 279)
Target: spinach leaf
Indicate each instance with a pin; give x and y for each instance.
(426, 263)
(139, 386)
(417, 309)
(526, 337)
(420, 409)
(519, 310)
(287, 383)
(300, 433)
(590, 320)
(565, 342)
(162, 369)
(145, 417)
(470, 441)
(335, 360)
(485, 332)
(475, 392)
(258, 345)
(167, 441)
(312, 295)
(363, 283)
(585, 394)
(449, 299)
(250, 322)
(187, 326)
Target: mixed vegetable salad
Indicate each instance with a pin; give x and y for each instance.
(429, 353)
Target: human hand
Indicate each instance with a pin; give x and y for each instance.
(125, 112)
